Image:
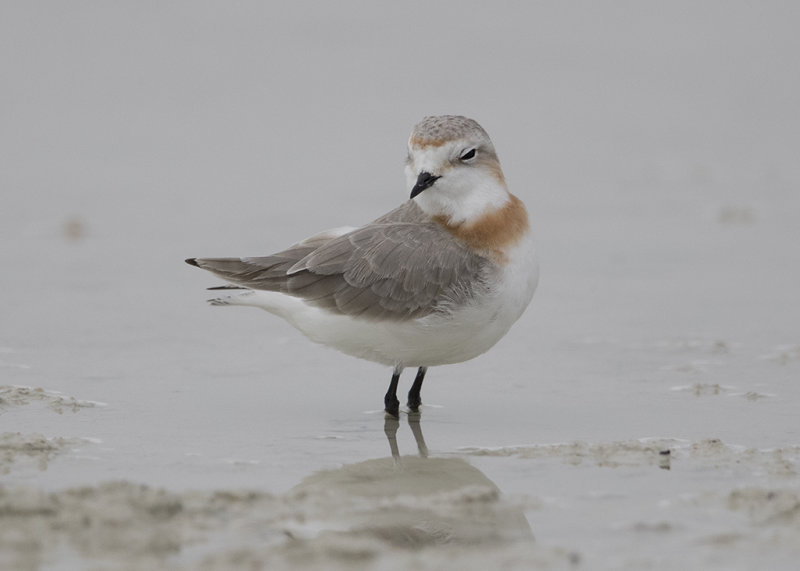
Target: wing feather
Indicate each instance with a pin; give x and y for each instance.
(402, 266)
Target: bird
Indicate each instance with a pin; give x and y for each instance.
(436, 281)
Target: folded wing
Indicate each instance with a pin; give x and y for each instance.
(401, 266)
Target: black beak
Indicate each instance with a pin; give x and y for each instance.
(424, 180)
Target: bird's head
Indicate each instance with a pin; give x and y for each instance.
(453, 170)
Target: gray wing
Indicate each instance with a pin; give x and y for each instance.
(401, 266)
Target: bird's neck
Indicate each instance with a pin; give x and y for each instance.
(495, 230)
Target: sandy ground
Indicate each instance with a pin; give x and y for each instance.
(641, 415)
(662, 504)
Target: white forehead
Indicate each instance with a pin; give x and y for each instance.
(438, 130)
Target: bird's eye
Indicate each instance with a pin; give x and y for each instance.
(467, 155)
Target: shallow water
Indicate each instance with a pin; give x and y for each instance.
(641, 414)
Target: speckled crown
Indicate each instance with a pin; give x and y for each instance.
(438, 129)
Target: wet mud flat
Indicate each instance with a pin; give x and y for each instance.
(388, 512)
(648, 503)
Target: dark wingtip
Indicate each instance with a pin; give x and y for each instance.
(229, 286)
(192, 262)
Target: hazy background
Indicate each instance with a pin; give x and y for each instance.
(655, 145)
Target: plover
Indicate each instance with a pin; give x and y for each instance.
(438, 280)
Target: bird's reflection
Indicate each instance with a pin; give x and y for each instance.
(410, 501)
(390, 427)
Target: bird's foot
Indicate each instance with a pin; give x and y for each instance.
(391, 408)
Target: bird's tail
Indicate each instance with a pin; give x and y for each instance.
(247, 272)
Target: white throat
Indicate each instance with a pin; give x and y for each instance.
(464, 195)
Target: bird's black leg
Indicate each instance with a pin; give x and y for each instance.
(390, 403)
(414, 398)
